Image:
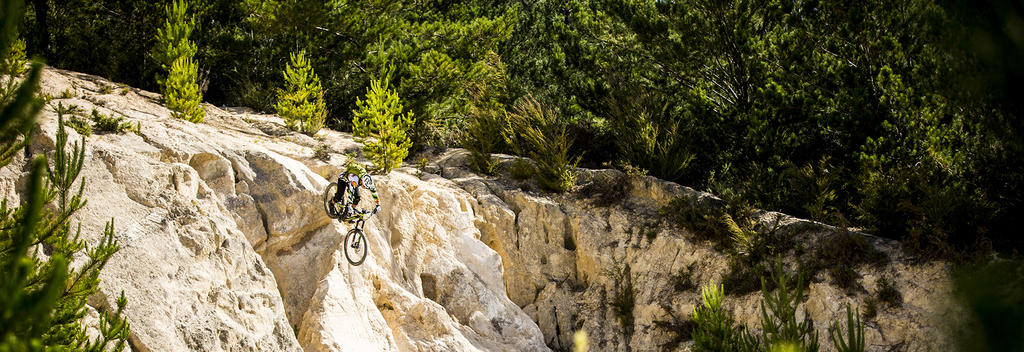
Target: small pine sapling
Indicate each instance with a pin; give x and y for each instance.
(381, 126)
(175, 52)
(301, 103)
(183, 96)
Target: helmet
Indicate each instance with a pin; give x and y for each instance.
(356, 169)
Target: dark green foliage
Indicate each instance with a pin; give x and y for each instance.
(42, 302)
(715, 329)
(853, 340)
(537, 130)
(321, 152)
(110, 123)
(651, 135)
(522, 169)
(887, 293)
(487, 114)
(904, 119)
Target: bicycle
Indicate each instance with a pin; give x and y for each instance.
(355, 245)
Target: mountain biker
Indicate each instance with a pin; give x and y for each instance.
(348, 190)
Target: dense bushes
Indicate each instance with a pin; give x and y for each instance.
(886, 117)
(487, 114)
(536, 129)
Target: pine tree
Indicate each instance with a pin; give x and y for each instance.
(42, 301)
(182, 95)
(176, 52)
(301, 103)
(381, 126)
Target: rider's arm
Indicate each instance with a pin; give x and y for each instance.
(373, 191)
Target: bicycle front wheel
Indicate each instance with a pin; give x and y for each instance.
(332, 211)
(355, 247)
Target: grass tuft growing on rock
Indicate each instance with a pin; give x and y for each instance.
(110, 123)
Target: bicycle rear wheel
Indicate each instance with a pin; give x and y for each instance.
(355, 246)
(332, 211)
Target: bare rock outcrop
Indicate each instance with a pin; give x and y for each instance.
(225, 244)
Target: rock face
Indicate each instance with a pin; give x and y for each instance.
(225, 246)
(567, 260)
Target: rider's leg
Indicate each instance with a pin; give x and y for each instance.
(339, 193)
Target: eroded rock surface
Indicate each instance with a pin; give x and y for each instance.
(225, 244)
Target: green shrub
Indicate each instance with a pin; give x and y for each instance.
(715, 329)
(175, 52)
(321, 152)
(106, 88)
(172, 39)
(12, 65)
(110, 123)
(870, 308)
(652, 139)
(779, 322)
(815, 187)
(547, 141)
(14, 62)
(380, 124)
(301, 102)
(522, 169)
(80, 125)
(487, 115)
(853, 341)
(74, 120)
(887, 293)
(182, 95)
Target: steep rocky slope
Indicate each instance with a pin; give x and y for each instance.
(225, 246)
